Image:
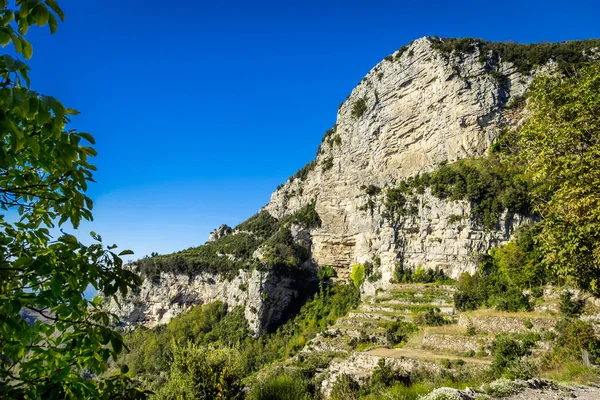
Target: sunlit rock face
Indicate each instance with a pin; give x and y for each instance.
(421, 109)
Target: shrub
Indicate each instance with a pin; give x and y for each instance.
(359, 108)
(327, 164)
(302, 173)
(326, 272)
(280, 387)
(501, 387)
(398, 332)
(344, 388)
(200, 373)
(384, 375)
(432, 317)
(570, 307)
(506, 352)
(358, 274)
(471, 330)
(524, 57)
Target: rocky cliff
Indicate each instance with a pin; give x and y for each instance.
(412, 112)
(428, 104)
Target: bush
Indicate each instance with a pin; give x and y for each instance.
(344, 388)
(200, 373)
(420, 275)
(524, 57)
(327, 164)
(359, 108)
(570, 307)
(326, 273)
(280, 387)
(358, 274)
(384, 375)
(432, 317)
(507, 352)
(398, 332)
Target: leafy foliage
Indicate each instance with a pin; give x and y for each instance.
(261, 224)
(206, 374)
(570, 307)
(560, 146)
(358, 274)
(280, 387)
(489, 185)
(302, 173)
(234, 252)
(507, 353)
(213, 326)
(525, 57)
(359, 108)
(44, 173)
(398, 332)
(404, 274)
(503, 275)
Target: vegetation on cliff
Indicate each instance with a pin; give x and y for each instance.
(156, 356)
(525, 57)
(234, 252)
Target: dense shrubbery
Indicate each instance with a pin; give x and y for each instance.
(404, 274)
(281, 387)
(302, 173)
(524, 56)
(398, 332)
(261, 224)
(508, 358)
(234, 252)
(503, 275)
(211, 326)
(210, 257)
(570, 307)
(490, 186)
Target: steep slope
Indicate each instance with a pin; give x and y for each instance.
(408, 115)
(430, 103)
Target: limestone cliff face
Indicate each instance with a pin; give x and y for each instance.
(410, 113)
(420, 109)
(264, 295)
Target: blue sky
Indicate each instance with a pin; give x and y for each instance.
(200, 109)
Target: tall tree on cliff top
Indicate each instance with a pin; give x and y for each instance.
(44, 173)
(561, 147)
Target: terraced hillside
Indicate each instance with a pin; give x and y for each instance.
(416, 327)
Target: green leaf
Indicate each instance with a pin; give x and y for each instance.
(54, 6)
(52, 23)
(41, 14)
(27, 49)
(125, 253)
(87, 137)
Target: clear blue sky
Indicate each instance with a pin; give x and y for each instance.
(201, 108)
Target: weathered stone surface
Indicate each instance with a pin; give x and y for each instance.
(508, 324)
(220, 232)
(265, 296)
(422, 110)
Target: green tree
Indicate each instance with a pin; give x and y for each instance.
(560, 144)
(205, 374)
(64, 348)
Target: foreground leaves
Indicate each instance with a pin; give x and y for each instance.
(54, 343)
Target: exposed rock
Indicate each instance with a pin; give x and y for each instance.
(421, 110)
(265, 295)
(220, 232)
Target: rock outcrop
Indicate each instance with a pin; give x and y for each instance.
(414, 111)
(408, 115)
(265, 296)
